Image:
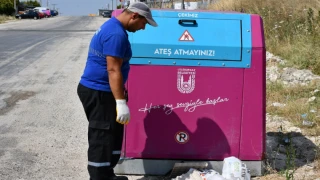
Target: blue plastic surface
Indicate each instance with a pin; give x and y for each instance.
(200, 39)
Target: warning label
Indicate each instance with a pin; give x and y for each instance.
(186, 36)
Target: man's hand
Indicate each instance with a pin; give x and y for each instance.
(116, 83)
(123, 113)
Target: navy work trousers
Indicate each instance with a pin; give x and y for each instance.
(104, 133)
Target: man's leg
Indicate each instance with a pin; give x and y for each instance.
(118, 138)
(100, 109)
(99, 153)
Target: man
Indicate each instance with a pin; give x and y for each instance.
(101, 88)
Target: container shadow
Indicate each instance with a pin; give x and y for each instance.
(163, 142)
(288, 150)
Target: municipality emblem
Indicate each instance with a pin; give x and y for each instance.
(186, 80)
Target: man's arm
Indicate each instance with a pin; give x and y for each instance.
(116, 84)
(115, 76)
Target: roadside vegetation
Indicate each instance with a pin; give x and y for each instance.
(296, 105)
(292, 32)
(7, 11)
(4, 18)
(291, 27)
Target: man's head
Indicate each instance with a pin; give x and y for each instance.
(137, 16)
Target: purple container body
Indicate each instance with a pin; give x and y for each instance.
(198, 113)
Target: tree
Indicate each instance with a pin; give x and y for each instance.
(6, 7)
(22, 6)
(32, 3)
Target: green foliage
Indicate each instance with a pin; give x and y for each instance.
(290, 159)
(6, 7)
(31, 3)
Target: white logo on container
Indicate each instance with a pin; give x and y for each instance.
(186, 80)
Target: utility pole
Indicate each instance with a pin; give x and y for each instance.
(15, 7)
(112, 4)
(47, 3)
(54, 6)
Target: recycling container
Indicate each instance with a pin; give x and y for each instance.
(196, 92)
(116, 12)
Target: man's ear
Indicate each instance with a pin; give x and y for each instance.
(135, 15)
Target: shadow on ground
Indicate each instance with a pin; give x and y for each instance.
(288, 150)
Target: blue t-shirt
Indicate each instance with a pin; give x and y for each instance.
(111, 39)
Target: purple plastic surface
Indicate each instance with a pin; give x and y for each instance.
(198, 113)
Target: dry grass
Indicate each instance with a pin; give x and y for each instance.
(292, 28)
(297, 108)
(292, 31)
(4, 18)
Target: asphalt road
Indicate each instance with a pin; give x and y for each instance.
(43, 130)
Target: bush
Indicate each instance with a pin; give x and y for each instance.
(6, 10)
